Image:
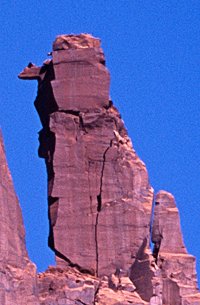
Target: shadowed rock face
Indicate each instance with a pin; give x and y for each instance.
(99, 195)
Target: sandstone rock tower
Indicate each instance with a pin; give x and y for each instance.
(99, 197)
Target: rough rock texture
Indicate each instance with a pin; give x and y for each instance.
(166, 219)
(177, 267)
(99, 196)
(17, 273)
(100, 202)
(68, 286)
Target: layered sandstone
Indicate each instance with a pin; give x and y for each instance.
(99, 197)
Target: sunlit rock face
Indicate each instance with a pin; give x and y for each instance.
(177, 267)
(17, 273)
(12, 241)
(102, 214)
(166, 231)
(99, 195)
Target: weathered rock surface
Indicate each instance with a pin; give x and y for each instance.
(68, 286)
(166, 219)
(100, 201)
(99, 196)
(177, 268)
(17, 273)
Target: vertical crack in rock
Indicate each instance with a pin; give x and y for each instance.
(99, 196)
(99, 206)
(96, 243)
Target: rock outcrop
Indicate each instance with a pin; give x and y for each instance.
(102, 216)
(17, 273)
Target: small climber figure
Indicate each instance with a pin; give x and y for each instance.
(156, 237)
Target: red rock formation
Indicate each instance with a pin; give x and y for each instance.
(166, 220)
(70, 287)
(17, 273)
(177, 267)
(99, 197)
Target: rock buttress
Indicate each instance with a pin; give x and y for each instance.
(98, 189)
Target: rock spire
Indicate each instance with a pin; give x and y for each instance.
(99, 195)
(100, 201)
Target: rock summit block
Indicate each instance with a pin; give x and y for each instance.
(81, 78)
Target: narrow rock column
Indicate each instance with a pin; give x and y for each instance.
(177, 266)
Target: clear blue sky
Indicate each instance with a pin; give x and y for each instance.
(152, 51)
